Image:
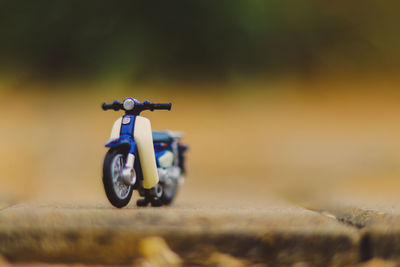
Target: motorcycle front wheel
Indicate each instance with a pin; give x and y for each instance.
(118, 193)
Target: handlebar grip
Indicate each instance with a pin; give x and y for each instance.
(115, 106)
(106, 106)
(166, 106)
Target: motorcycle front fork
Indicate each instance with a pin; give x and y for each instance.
(128, 172)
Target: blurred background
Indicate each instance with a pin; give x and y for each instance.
(293, 99)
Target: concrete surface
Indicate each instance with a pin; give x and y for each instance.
(275, 233)
(378, 221)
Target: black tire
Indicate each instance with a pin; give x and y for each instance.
(115, 199)
(168, 197)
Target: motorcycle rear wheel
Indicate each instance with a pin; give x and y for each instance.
(118, 193)
(169, 193)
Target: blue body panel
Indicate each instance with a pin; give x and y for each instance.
(126, 135)
(127, 129)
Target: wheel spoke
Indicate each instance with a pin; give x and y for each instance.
(118, 165)
(121, 190)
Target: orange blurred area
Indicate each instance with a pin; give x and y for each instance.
(292, 139)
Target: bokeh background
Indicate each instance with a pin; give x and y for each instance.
(293, 99)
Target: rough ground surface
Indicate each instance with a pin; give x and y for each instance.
(378, 223)
(276, 233)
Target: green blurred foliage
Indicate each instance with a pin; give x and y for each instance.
(200, 39)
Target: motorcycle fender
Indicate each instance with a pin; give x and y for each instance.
(122, 142)
(116, 129)
(144, 141)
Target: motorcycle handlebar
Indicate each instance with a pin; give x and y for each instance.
(139, 107)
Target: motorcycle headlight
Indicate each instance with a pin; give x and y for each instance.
(129, 104)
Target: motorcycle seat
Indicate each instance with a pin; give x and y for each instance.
(165, 136)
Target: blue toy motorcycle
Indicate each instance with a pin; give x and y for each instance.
(151, 162)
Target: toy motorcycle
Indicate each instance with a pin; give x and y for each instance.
(140, 159)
